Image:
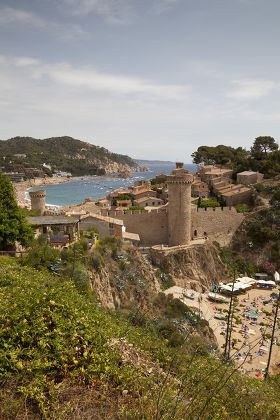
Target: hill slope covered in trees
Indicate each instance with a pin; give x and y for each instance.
(64, 154)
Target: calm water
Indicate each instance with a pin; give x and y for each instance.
(75, 192)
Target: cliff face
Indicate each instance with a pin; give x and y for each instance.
(197, 266)
(128, 279)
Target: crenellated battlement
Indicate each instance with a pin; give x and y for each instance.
(39, 194)
(116, 213)
(223, 210)
(180, 181)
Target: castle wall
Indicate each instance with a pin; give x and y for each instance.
(151, 226)
(216, 223)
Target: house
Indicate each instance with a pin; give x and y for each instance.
(145, 192)
(200, 189)
(249, 177)
(123, 203)
(148, 202)
(15, 176)
(106, 226)
(235, 194)
(61, 230)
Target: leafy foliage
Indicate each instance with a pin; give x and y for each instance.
(208, 202)
(13, 224)
(264, 156)
(262, 146)
(53, 339)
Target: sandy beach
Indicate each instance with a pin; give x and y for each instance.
(251, 338)
(21, 187)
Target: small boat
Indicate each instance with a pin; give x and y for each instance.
(215, 297)
(219, 315)
(189, 295)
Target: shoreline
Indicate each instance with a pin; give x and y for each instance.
(21, 188)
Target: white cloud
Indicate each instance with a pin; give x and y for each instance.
(247, 89)
(114, 11)
(163, 6)
(88, 78)
(9, 16)
(117, 11)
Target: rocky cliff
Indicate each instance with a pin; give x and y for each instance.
(128, 277)
(125, 279)
(197, 266)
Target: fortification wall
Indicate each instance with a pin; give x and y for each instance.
(151, 226)
(218, 224)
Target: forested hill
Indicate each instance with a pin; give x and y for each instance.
(64, 154)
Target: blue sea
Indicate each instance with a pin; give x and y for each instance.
(75, 192)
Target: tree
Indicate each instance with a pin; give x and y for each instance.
(262, 146)
(13, 224)
(219, 155)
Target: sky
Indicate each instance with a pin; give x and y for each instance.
(153, 79)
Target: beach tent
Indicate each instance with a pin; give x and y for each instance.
(246, 280)
(269, 284)
(228, 288)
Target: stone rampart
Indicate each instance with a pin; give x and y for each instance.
(218, 224)
(150, 226)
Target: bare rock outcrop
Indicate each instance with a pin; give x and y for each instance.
(197, 266)
(125, 280)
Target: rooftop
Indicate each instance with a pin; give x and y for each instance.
(131, 236)
(218, 171)
(143, 191)
(103, 219)
(247, 173)
(234, 192)
(53, 220)
(143, 199)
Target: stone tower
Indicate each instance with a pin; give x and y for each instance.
(38, 200)
(179, 206)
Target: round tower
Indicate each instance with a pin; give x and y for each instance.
(38, 200)
(179, 206)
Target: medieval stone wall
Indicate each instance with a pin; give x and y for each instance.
(216, 223)
(151, 226)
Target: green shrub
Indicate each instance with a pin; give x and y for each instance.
(242, 208)
(210, 202)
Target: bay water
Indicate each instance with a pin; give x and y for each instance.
(77, 190)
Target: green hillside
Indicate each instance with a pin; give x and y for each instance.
(63, 357)
(62, 153)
